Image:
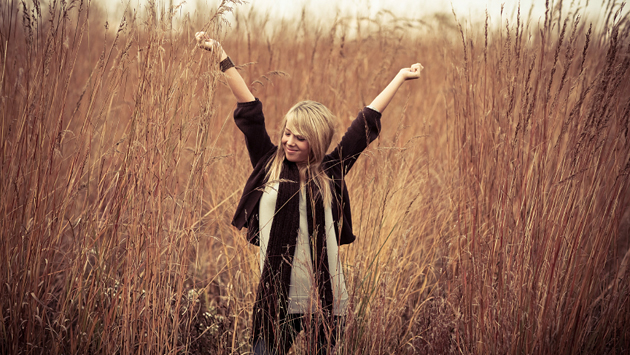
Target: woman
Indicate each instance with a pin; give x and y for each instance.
(297, 209)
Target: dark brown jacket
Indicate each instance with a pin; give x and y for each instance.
(250, 120)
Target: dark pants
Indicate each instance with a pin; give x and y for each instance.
(290, 327)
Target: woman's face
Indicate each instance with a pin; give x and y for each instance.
(296, 148)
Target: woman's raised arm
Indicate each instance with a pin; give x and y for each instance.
(235, 81)
(383, 99)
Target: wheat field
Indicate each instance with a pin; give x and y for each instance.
(492, 214)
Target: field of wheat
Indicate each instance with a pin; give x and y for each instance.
(492, 214)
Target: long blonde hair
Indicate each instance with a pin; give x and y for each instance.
(313, 121)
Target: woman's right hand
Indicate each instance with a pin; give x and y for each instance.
(204, 41)
(235, 81)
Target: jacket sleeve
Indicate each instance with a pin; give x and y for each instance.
(363, 130)
(249, 118)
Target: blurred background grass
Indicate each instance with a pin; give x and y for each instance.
(492, 214)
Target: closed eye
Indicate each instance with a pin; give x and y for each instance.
(299, 138)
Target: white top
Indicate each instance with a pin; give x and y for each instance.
(301, 290)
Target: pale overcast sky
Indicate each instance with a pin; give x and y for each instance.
(465, 9)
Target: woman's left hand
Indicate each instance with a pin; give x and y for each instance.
(411, 73)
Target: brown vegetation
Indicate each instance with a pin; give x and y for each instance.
(489, 214)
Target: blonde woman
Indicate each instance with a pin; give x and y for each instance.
(296, 208)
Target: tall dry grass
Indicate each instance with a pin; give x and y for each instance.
(489, 214)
